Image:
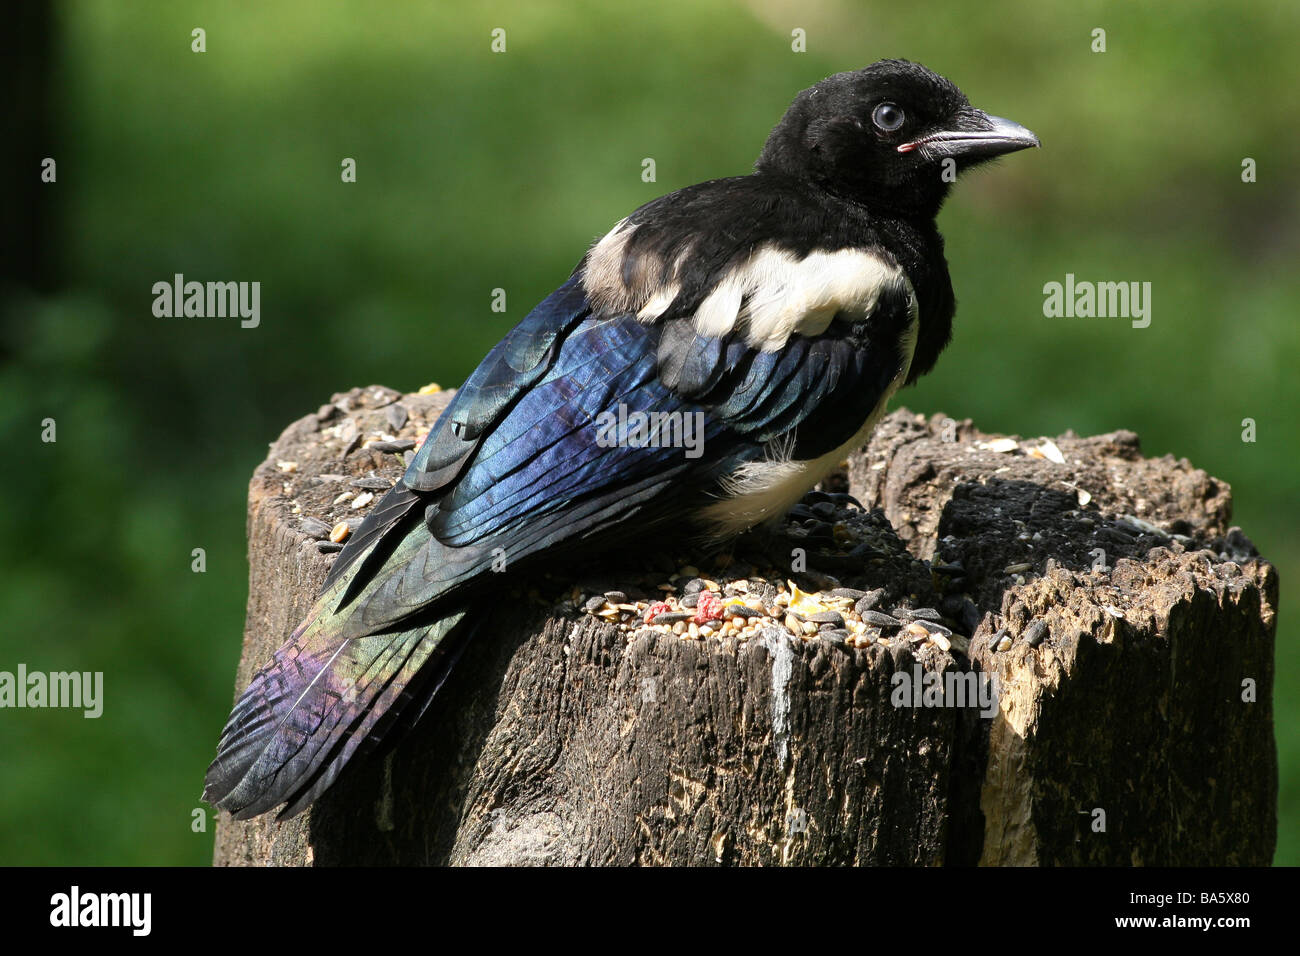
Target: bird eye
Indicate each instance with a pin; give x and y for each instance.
(887, 117)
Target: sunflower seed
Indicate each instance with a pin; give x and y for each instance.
(671, 617)
(396, 416)
(401, 445)
(1034, 633)
(314, 528)
(833, 618)
(879, 619)
(869, 601)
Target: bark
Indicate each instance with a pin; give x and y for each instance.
(1133, 717)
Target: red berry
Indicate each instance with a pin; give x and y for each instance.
(655, 609)
(709, 608)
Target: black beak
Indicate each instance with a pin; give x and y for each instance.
(974, 135)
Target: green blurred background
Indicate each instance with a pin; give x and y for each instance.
(479, 170)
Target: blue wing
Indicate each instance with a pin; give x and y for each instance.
(513, 364)
(515, 465)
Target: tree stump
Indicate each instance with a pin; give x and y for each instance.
(1123, 630)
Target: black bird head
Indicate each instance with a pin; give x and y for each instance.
(881, 135)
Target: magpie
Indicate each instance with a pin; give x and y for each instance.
(779, 310)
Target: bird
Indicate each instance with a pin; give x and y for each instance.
(779, 310)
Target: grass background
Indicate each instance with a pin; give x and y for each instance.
(479, 170)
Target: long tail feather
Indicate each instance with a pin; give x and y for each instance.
(405, 711)
(327, 692)
(306, 713)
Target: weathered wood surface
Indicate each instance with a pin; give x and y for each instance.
(1125, 732)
